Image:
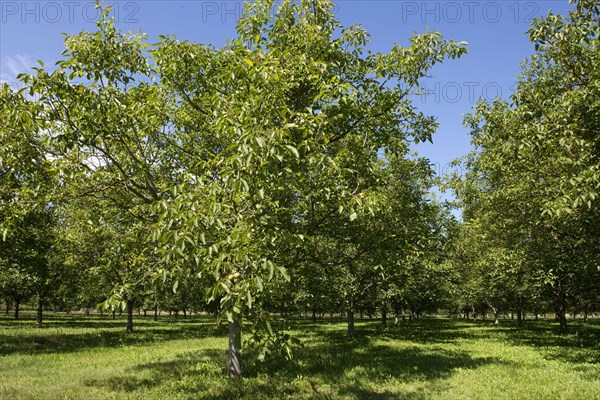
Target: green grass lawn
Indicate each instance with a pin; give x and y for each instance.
(77, 357)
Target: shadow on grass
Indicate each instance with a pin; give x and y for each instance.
(362, 368)
(71, 334)
(581, 344)
(409, 361)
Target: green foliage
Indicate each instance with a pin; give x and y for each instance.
(530, 194)
(186, 160)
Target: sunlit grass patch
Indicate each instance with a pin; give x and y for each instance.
(79, 357)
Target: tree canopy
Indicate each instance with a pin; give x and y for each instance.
(274, 175)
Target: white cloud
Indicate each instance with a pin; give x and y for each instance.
(11, 66)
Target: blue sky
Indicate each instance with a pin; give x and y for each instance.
(495, 31)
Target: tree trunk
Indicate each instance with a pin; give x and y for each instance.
(114, 314)
(561, 313)
(561, 306)
(17, 304)
(384, 315)
(314, 315)
(7, 307)
(39, 310)
(129, 316)
(496, 315)
(156, 313)
(234, 365)
(351, 320)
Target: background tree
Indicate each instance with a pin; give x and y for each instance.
(533, 180)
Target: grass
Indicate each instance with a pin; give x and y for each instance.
(77, 357)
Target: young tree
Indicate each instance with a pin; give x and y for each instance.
(533, 180)
(227, 150)
(27, 216)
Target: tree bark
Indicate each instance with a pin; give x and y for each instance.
(7, 307)
(156, 313)
(384, 315)
(17, 304)
(234, 366)
(39, 310)
(129, 316)
(561, 311)
(351, 322)
(561, 306)
(496, 315)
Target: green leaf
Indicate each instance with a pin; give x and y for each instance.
(293, 150)
(284, 273)
(248, 299)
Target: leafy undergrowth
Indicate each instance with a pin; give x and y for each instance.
(76, 357)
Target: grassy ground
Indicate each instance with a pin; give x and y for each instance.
(77, 357)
